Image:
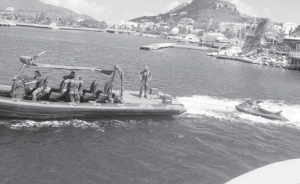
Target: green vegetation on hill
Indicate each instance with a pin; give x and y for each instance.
(202, 11)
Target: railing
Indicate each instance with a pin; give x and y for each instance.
(294, 54)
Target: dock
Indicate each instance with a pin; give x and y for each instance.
(190, 47)
(173, 45)
(157, 46)
(81, 29)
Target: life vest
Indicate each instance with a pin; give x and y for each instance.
(145, 75)
(75, 85)
(40, 82)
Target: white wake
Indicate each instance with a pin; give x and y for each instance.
(223, 108)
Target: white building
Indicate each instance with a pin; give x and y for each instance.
(186, 21)
(10, 9)
(183, 13)
(131, 24)
(232, 26)
(196, 31)
(189, 27)
(175, 31)
(164, 25)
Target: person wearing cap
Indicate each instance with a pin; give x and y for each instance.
(145, 77)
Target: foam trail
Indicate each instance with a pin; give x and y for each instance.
(225, 109)
(292, 112)
(35, 125)
(203, 104)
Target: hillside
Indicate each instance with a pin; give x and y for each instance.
(34, 7)
(202, 11)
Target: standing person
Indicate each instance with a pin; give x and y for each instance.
(109, 84)
(145, 77)
(121, 74)
(75, 89)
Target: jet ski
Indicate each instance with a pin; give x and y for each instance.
(253, 108)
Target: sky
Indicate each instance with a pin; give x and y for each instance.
(115, 10)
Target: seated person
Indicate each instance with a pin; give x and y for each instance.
(38, 87)
(59, 90)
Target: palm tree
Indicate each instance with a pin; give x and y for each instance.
(259, 37)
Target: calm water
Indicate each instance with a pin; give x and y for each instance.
(211, 143)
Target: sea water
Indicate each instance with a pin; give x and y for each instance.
(211, 143)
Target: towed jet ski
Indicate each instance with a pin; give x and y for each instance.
(253, 107)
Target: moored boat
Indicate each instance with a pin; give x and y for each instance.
(246, 60)
(226, 57)
(14, 103)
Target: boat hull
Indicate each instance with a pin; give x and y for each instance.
(19, 109)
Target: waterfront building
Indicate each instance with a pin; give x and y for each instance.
(292, 42)
(210, 38)
(232, 26)
(175, 31)
(196, 31)
(186, 21)
(183, 13)
(164, 25)
(173, 14)
(10, 9)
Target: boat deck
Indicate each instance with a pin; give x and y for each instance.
(129, 97)
(132, 97)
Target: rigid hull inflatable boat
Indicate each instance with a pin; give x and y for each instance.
(15, 104)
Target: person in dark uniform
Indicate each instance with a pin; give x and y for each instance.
(38, 86)
(109, 84)
(145, 77)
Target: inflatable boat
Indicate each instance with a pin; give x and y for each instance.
(15, 104)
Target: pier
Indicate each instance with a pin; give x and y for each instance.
(157, 46)
(173, 45)
(81, 29)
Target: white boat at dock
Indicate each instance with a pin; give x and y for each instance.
(189, 39)
(246, 60)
